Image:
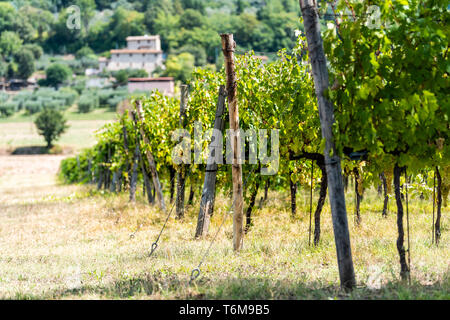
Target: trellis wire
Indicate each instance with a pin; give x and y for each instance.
(155, 244)
(195, 273)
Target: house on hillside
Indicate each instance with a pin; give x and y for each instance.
(142, 52)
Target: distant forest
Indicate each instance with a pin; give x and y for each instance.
(192, 26)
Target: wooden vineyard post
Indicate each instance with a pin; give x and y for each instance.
(147, 186)
(357, 197)
(293, 189)
(385, 194)
(151, 160)
(135, 163)
(209, 185)
(181, 176)
(332, 160)
(404, 271)
(437, 226)
(228, 46)
(127, 154)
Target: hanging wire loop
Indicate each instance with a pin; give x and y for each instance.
(194, 274)
(153, 248)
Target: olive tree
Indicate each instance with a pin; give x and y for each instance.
(51, 124)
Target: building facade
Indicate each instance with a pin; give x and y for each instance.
(142, 52)
(165, 85)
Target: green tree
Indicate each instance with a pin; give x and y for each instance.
(153, 8)
(51, 125)
(241, 5)
(7, 14)
(197, 51)
(57, 74)
(191, 19)
(63, 38)
(84, 52)
(10, 43)
(35, 49)
(25, 62)
(126, 23)
(167, 26)
(40, 19)
(87, 7)
(180, 67)
(123, 75)
(12, 20)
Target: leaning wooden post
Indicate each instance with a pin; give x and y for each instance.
(209, 185)
(332, 160)
(181, 176)
(437, 226)
(147, 186)
(151, 160)
(135, 163)
(228, 46)
(127, 152)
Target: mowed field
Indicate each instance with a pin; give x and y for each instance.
(70, 242)
(20, 131)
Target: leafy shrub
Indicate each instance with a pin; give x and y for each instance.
(3, 97)
(69, 95)
(79, 86)
(88, 102)
(56, 74)
(85, 104)
(104, 95)
(21, 98)
(32, 106)
(75, 170)
(8, 108)
(56, 104)
(122, 76)
(35, 49)
(114, 101)
(68, 171)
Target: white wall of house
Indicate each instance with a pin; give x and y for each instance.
(164, 86)
(142, 52)
(135, 60)
(102, 64)
(152, 43)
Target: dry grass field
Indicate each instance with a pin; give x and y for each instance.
(71, 242)
(19, 130)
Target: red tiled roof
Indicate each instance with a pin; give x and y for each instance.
(150, 79)
(135, 51)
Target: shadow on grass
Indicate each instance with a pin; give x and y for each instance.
(36, 150)
(160, 286)
(30, 150)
